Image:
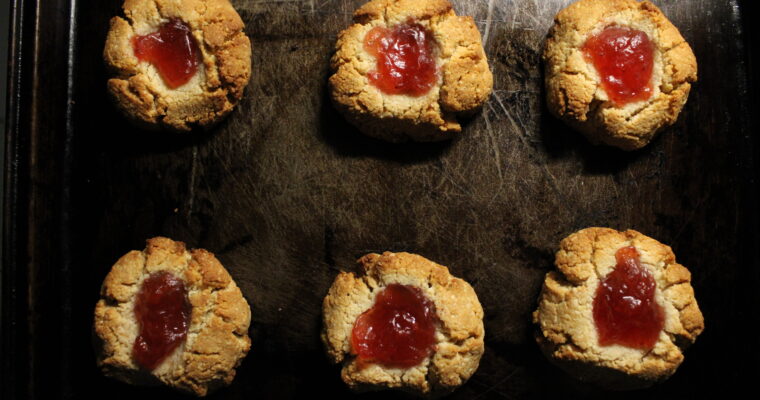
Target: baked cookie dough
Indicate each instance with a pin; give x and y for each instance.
(224, 52)
(216, 328)
(566, 317)
(461, 85)
(574, 87)
(458, 338)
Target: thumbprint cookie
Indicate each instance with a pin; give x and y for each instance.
(618, 311)
(618, 71)
(404, 323)
(407, 69)
(177, 64)
(171, 316)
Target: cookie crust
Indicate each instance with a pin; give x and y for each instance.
(459, 333)
(140, 92)
(217, 338)
(573, 88)
(566, 329)
(464, 82)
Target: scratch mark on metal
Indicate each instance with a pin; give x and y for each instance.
(492, 387)
(489, 18)
(633, 179)
(498, 99)
(494, 145)
(193, 171)
(517, 127)
(534, 19)
(552, 179)
(490, 106)
(446, 175)
(691, 215)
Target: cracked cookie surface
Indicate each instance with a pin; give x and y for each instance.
(566, 329)
(217, 337)
(573, 87)
(464, 79)
(459, 332)
(215, 89)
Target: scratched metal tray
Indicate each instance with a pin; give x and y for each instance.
(287, 194)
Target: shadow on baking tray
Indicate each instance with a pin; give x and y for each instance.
(347, 141)
(560, 141)
(130, 138)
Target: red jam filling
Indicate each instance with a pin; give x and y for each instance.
(405, 60)
(172, 50)
(398, 331)
(625, 310)
(163, 315)
(624, 59)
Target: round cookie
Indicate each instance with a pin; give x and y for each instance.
(567, 332)
(573, 85)
(462, 83)
(217, 327)
(224, 51)
(458, 333)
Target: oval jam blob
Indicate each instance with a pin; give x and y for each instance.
(172, 50)
(405, 59)
(398, 331)
(624, 59)
(625, 309)
(162, 311)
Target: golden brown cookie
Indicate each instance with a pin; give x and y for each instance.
(570, 304)
(458, 327)
(146, 96)
(217, 319)
(574, 87)
(461, 85)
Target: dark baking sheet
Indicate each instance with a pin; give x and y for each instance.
(287, 194)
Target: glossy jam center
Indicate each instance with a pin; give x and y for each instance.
(172, 50)
(163, 315)
(398, 331)
(405, 60)
(624, 59)
(625, 310)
